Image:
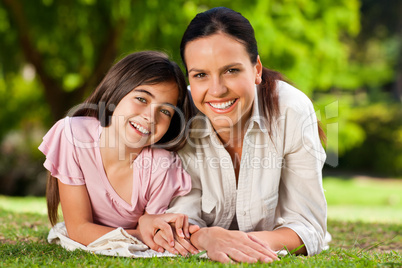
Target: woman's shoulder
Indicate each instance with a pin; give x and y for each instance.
(292, 98)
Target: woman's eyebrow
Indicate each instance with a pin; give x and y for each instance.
(222, 68)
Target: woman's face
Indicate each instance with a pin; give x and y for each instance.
(222, 79)
(143, 116)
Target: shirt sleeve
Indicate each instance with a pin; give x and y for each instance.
(302, 206)
(191, 203)
(167, 179)
(61, 156)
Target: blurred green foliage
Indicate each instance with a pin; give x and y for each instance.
(53, 53)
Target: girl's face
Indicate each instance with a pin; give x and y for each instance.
(143, 116)
(222, 79)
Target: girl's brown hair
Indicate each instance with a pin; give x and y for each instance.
(141, 68)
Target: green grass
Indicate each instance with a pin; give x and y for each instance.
(366, 200)
(358, 240)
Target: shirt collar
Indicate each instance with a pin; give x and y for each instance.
(201, 126)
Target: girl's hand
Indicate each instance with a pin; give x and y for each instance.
(182, 245)
(149, 225)
(228, 246)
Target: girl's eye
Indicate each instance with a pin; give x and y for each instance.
(166, 112)
(199, 75)
(141, 99)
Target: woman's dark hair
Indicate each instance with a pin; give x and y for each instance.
(141, 68)
(232, 23)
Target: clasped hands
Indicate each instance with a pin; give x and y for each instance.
(173, 233)
(168, 231)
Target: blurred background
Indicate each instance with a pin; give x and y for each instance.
(346, 55)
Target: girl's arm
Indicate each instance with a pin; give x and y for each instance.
(77, 213)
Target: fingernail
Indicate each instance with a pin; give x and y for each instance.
(267, 260)
(171, 243)
(181, 234)
(160, 250)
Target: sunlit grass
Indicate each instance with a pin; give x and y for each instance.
(364, 221)
(364, 200)
(24, 204)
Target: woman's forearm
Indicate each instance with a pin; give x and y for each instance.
(280, 238)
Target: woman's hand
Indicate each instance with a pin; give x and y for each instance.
(228, 246)
(182, 245)
(150, 225)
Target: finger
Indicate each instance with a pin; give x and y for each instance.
(220, 257)
(148, 240)
(186, 226)
(164, 244)
(182, 250)
(179, 224)
(193, 228)
(264, 248)
(186, 244)
(239, 256)
(166, 232)
(168, 235)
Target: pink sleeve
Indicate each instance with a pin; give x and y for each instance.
(167, 180)
(61, 156)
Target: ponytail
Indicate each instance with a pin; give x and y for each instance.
(53, 199)
(269, 98)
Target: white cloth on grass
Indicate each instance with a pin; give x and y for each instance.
(115, 243)
(119, 243)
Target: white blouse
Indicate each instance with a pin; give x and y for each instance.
(280, 179)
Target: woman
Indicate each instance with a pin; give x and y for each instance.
(254, 152)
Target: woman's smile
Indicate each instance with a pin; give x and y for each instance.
(222, 79)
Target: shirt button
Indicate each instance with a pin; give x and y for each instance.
(244, 213)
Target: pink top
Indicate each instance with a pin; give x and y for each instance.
(73, 156)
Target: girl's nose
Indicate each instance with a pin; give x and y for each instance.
(217, 88)
(149, 113)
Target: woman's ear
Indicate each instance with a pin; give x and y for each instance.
(258, 75)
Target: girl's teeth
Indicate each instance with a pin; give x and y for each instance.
(223, 105)
(140, 128)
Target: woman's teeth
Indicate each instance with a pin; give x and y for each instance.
(223, 105)
(139, 128)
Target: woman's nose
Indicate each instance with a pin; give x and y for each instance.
(217, 87)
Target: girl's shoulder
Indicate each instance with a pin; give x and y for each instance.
(83, 128)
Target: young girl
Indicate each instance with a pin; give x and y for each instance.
(102, 169)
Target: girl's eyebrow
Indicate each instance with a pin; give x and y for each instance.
(152, 96)
(145, 91)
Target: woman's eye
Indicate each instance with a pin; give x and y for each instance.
(166, 112)
(141, 99)
(231, 71)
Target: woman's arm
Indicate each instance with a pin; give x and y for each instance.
(225, 245)
(281, 237)
(77, 213)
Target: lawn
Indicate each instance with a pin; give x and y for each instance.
(364, 218)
